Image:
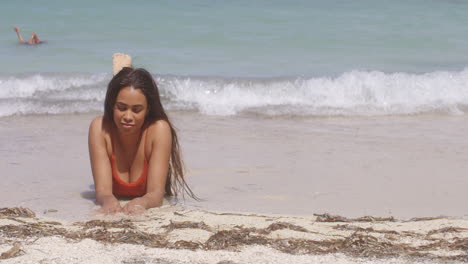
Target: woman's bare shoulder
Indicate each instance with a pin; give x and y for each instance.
(158, 130)
(99, 134)
(97, 121)
(99, 126)
(159, 127)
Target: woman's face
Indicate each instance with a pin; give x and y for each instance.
(130, 110)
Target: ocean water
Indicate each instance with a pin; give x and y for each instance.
(267, 58)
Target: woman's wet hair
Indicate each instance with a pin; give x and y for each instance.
(141, 79)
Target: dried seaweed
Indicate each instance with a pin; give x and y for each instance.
(51, 223)
(357, 244)
(337, 218)
(12, 252)
(128, 237)
(449, 229)
(16, 212)
(418, 219)
(133, 261)
(25, 231)
(361, 229)
(304, 246)
(183, 244)
(186, 224)
(272, 227)
(361, 243)
(283, 225)
(231, 239)
(459, 244)
(456, 244)
(330, 218)
(123, 223)
(373, 219)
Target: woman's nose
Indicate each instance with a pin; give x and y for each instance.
(127, 117)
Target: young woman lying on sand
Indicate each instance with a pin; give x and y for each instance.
(133, 148)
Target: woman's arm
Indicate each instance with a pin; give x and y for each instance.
(159, 138)
(100, 165)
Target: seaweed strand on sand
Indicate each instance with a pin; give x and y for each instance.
(354, 240)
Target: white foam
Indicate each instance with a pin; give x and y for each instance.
(352, 93)
(51, 93)
(17, 87)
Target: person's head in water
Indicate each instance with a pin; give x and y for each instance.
(133, 99)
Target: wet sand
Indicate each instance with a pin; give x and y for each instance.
(381, 166)
(263, 181)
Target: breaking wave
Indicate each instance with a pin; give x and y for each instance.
(352, 93)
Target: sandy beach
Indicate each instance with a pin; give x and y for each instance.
(172, 234)
(264, 186)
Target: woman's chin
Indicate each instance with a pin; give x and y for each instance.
(127, 130)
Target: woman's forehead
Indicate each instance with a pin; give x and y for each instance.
(131, 96)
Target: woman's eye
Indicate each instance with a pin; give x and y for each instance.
(121, 107)
(137, 110)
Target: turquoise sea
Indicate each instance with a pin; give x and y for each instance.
(217, 57)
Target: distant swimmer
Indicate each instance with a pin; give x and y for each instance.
(34, 40)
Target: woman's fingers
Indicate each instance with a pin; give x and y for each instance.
(133, 209)
(115, 210)
(137, 210)
(110, 209)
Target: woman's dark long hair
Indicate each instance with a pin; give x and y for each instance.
(142, 79)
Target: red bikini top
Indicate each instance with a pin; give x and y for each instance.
(123, 188)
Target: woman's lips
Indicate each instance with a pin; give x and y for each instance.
(127, 126)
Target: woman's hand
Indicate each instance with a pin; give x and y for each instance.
(136, 206)
(111, 206)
